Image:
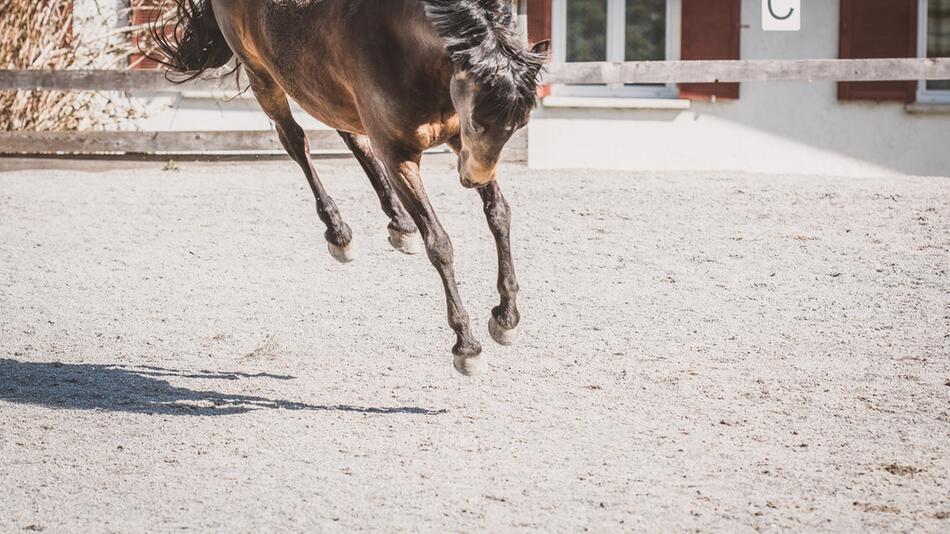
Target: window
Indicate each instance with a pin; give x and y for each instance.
(934, 41)
(616, 30)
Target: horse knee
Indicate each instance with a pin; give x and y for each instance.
(440, 250)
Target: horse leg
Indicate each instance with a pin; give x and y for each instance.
(503, 324)
(273, 101)
(403, 235)
(407, 182)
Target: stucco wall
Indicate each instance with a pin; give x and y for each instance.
(774, 127)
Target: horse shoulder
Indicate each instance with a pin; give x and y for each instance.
(437, 131)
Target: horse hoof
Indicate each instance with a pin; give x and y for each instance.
(470, 365)
(501, 335)
(406, 243)
(344, 254)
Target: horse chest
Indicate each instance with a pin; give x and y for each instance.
(438, 131)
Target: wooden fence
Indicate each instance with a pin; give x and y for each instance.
(750, 70)
(762, 70)
(134, 81)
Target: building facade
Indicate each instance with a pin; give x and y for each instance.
(826, 127)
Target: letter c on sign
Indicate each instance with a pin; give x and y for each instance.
(772, 12)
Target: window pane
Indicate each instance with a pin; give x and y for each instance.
(646, 30)
(938, 36)
(586, 30)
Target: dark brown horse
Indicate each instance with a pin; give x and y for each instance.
(394, 77)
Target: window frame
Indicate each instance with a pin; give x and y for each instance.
(616, 25)
(925, 95)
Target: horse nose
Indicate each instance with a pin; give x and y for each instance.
(473, 173)
(477, 179)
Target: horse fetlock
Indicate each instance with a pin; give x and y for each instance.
(405, 242)
(467, 346)
(338, 232)
(403, 225)
(506, 314)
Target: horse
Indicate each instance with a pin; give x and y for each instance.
(394, 78)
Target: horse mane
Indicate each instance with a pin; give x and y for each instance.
(482, 40)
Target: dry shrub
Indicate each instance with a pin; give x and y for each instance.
(39, 34)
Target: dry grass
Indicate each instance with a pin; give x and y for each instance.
(42, 34)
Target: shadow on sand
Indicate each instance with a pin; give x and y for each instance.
(139, 389)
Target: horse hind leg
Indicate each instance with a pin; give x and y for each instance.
(273, 101)
(403, 235)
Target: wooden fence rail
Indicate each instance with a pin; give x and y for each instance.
(844, 70)
(146, 81)
(193, 143)
(92, 142)
(805, 70)
(752, 70)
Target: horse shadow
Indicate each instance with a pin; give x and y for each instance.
(142, 390)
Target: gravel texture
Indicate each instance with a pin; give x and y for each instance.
(703, 351)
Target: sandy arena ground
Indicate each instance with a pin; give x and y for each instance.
(703, 352)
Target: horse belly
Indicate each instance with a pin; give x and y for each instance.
(331, 106)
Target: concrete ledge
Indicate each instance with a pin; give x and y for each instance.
(218, 95)
(615, 102)
(924, 108)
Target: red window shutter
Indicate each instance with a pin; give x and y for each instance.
(710, 30)
(539, 20)
(145, 12)
(539, 28)
(878, 29)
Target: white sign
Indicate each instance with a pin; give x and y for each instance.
(781, 15)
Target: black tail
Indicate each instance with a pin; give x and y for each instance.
(194, 45)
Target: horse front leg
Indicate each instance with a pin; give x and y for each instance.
(403, 235)
(503, 324)
(273, 101)
(407, 181)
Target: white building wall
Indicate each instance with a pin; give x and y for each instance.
(773, 127)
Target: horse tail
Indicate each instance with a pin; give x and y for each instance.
(194, 44)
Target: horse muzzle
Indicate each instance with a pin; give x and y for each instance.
(476, 177)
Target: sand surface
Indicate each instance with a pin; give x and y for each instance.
(703, 351)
